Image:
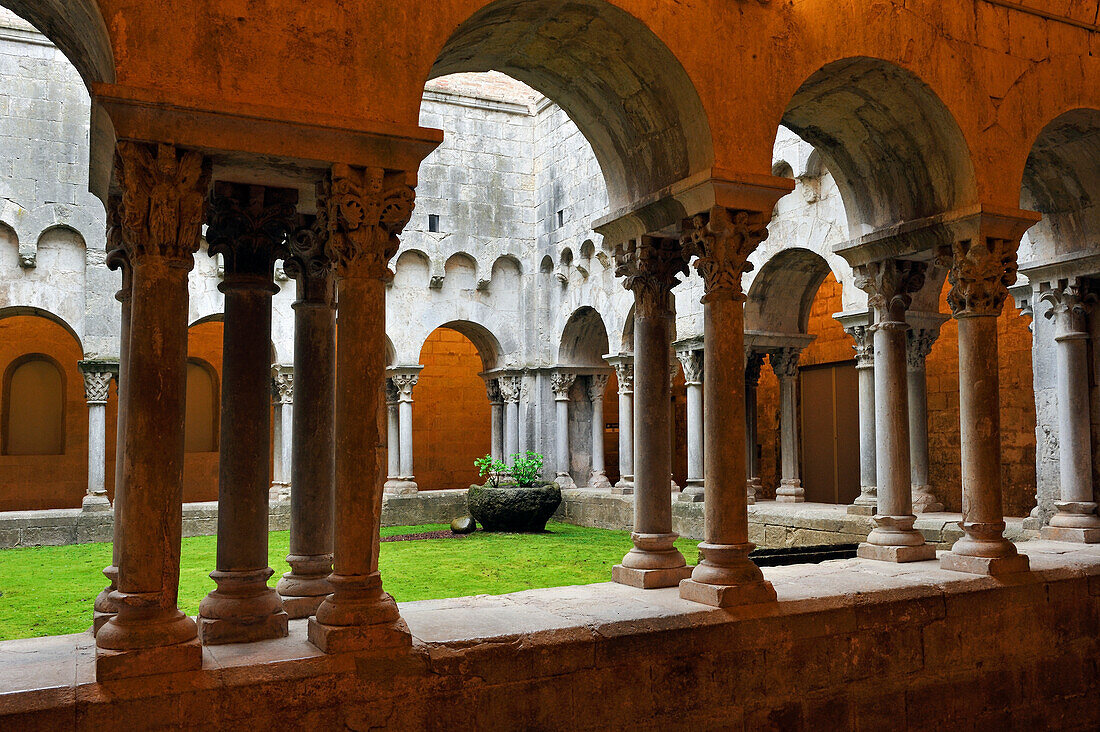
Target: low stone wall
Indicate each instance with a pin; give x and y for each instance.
(73, 526)
(851, 644)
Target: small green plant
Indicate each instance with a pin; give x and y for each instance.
(527, 468)
(494, 470)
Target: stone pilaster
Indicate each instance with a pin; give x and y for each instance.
(282, 400)
(624, 374)
(597, 384)
(248, 227)
(982, 265)
(721, 242)
(561, 383)
(650, 268)
(920, 338)
(890, 285)
(160, 215)
(867, 502)
(366, 209)
(97, 388)
(312, 458)
(692, 362)
(784, 363)
(1076, 519)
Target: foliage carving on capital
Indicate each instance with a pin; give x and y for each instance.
(307, 261)
(754, 361)
(890, 285)
(163, 202)
(492, 390)
(624, 374)
(918, 344)
(560, 384)
(784, 362)
(597, 385)
(980, 271)
(405, 384)
(864, 345)
(722, 240)
(282, 386)
(249, 225)
(366, 211)
(692, 361)
(510, 388)
(1071, 303)
(650, 267)
(393, 394)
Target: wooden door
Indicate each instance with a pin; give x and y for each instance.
(829, 425)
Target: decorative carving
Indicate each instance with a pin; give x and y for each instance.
(890, 284)
(248, 226)
(492, 389)
(753, 363)
(97, 382)
(561, 383)
(405, 384)
(393, 394)
(864, 345)
(692, 361)
(510, 387)
(784, 362)
(918, 344)
(980, 271)
(722, 240)
(117, 257)
(597, 385)
(1071, 303)
(366, 210)
(163, 202)
(282, 385)
(649, 267)
(624, 373)
(307, 261)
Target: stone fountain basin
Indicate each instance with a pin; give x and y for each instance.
(513, 508)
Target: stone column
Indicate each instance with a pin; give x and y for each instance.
(785, 365)
(624, 374)
(890, 285)
(282, 398)
(161, 213)
(597, 385)
(496, 418)
(753, 362)
(405, 378)
(1076, 519)
(722, 242)
(692, 361)
(366, 209)
(982, 266)
(650, 267)
(672, 422)
(306, 585)
(97, 386)
(393, 438)
(248, 228)
(561, 383)
(919, 341)
(867, 502)
(510, 389)
(105, 606)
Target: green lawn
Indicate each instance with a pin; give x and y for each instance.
(49, 590)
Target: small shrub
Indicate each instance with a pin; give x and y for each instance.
(492, 469)
(526, 469)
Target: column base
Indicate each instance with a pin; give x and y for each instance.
(727, 595)
(924, 501)
(598, 481)
(219, 631)
(649, 579)
(993, 566)
(95, 503)
(301, 607)
(110, 665)
(400, 486)
(1074, 535)
(866, 504)
(920, 553)
(242, 609)
(673, 487)
(99, 619)
(306, 585)
(694, 493)
(279, 492)
(790, 491)
(856, 509)
(625, 487)
(393, 635)
(565, 481)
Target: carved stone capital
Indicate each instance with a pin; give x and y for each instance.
(784, 362)
(248, 226)
(404, 383)
(97, 380)
(864, 345)
(163, 202)
(597, 385)
(393, 394)
(918, 344)
(754, 360)
(624, 374)
(492, 390)
(692, 361)
(307, 261)
(980, 271)
(1071, 303)
(561, 383)
(890, 285)
(722, 240)
(366, 210)
(282, 385)
(650, 267)
(510, 388)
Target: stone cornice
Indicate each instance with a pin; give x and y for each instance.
(1064, 266)
(766, 341)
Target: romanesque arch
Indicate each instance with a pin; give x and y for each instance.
(781, 294)
(584, 340)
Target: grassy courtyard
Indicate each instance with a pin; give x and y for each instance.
(49, 590)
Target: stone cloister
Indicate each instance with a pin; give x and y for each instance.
(704, 295)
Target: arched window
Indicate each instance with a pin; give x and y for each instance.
(34, 407)
(201, 421)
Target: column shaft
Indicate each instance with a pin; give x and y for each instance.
(596, 388)
(405, 416)
(691, 360)
(496, 430)
(624, 372)
(561, 384)
(393, 439)
(785, 365)
(97, 386)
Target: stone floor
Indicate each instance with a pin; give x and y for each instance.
(571, 628)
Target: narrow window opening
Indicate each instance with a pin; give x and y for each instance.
(433, 222)
(561, 218)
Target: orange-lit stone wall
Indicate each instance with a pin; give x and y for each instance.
(200, 469)
(50, 481)
(1017, 401)
(450, 413)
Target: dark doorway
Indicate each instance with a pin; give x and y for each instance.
(830, 432)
